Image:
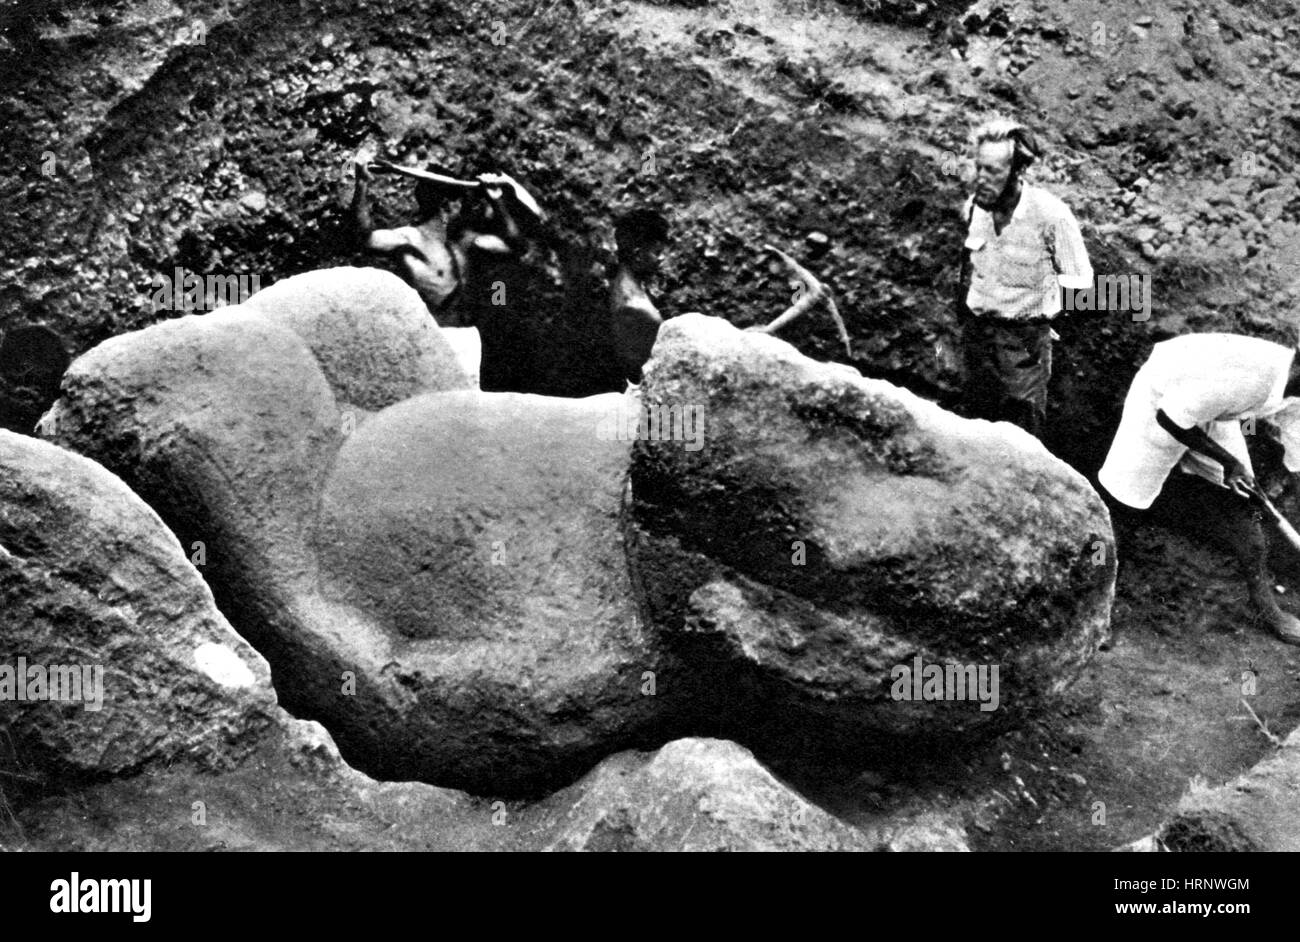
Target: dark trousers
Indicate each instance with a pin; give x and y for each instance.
(1212, 513)
(1008, 365)
(1199, 508)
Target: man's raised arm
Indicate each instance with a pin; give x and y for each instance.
(522, 217)
(376, 240)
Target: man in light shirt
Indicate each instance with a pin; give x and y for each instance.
(1023, 246)
(1183, 414)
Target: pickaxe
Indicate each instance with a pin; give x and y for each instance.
(815, 291)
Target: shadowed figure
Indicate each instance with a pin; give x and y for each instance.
(640, 238)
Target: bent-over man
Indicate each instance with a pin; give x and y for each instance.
(1183, 414)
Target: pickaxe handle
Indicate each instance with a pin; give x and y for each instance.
(384, 166)
(816, 291)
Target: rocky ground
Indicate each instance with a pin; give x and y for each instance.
(145, 136)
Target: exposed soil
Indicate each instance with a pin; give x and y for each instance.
(1159, 708)
(747, 121)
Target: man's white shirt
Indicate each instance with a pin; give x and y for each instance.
(1208, 381)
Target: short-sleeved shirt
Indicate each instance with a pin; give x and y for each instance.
(1017, 274)
(1208, 381)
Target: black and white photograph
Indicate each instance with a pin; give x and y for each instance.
(513, 426)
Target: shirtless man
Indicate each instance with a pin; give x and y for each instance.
(436, 254)
(640, 238)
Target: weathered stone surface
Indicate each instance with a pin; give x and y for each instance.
(690, 795)
(225, 425)
(94, 588)
(442, 582)
(486, 558)
(91, 577)
(89, 574)
(445, 582)
(832, 527)
(370, 333)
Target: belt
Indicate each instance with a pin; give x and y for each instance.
(1027, 321)
(993, 320)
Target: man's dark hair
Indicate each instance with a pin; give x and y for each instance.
(640, 227)
(431, 197)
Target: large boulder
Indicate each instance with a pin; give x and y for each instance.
(438, 576)
(112, 654)
(443, 575)
(371, 335)
(227, 422)
(690, 795)
(91, 578)
(822, 531)
(142, 721)
(491, 621)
